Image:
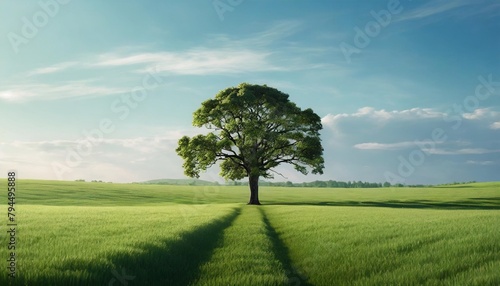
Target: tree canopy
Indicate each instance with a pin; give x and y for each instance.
(254, 128)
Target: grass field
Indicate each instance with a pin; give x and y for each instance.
(75, 233)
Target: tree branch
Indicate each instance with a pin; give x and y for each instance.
(278, 173)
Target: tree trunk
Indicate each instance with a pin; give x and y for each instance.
(254, 190)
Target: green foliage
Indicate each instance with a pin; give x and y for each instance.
(255, 129)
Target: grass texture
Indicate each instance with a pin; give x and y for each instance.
(76, 233)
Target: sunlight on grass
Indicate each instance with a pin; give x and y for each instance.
(371, 246)
(245, 256)
(79, 244)
(73, 233)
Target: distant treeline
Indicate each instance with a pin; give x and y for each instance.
(338, 184)
(314, 184)
(318, 184)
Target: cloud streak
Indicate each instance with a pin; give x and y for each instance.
(137, 144)
(370, 113)
(481, 113)
(41, 91)
(432, 8)
(386, 146)
(53, 69)
(199, 61)
(466, 151)
(222, 56)
(481, 163)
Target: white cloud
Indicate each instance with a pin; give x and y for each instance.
(485, 116)
(495, 125)
(383, 115)
(454, 148)
(382, 138)
(118, 160)
(387, 146)
(481, 113)
(138, 144)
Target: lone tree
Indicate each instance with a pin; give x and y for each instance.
(254, 129)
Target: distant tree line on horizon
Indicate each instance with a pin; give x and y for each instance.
(313, 184)
(320, 184)
(340, 184)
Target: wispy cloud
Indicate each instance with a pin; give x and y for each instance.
(53, 69)
(434, 150)
(387, 146)
(199, 61)
(280, 30)
(126, 159)
(137, 144)
(384, 115)
(432, 8)
(467, 151)
(219, 55)
(40, 91)
(481, 113)
(481, 163)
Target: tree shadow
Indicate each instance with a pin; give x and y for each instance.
(171, 262)
(469, 204)
(281, 253)
(492, 199)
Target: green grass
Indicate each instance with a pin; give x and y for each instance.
(60, 193)
(190, 182)
(74, 233)
(246, 256)
(360, 246)
(83, 245)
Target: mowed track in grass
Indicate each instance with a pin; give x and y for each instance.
(246, 256)
(74, 233)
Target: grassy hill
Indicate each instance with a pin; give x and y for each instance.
(77, 233)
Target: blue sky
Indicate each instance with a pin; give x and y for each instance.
(408, 91)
